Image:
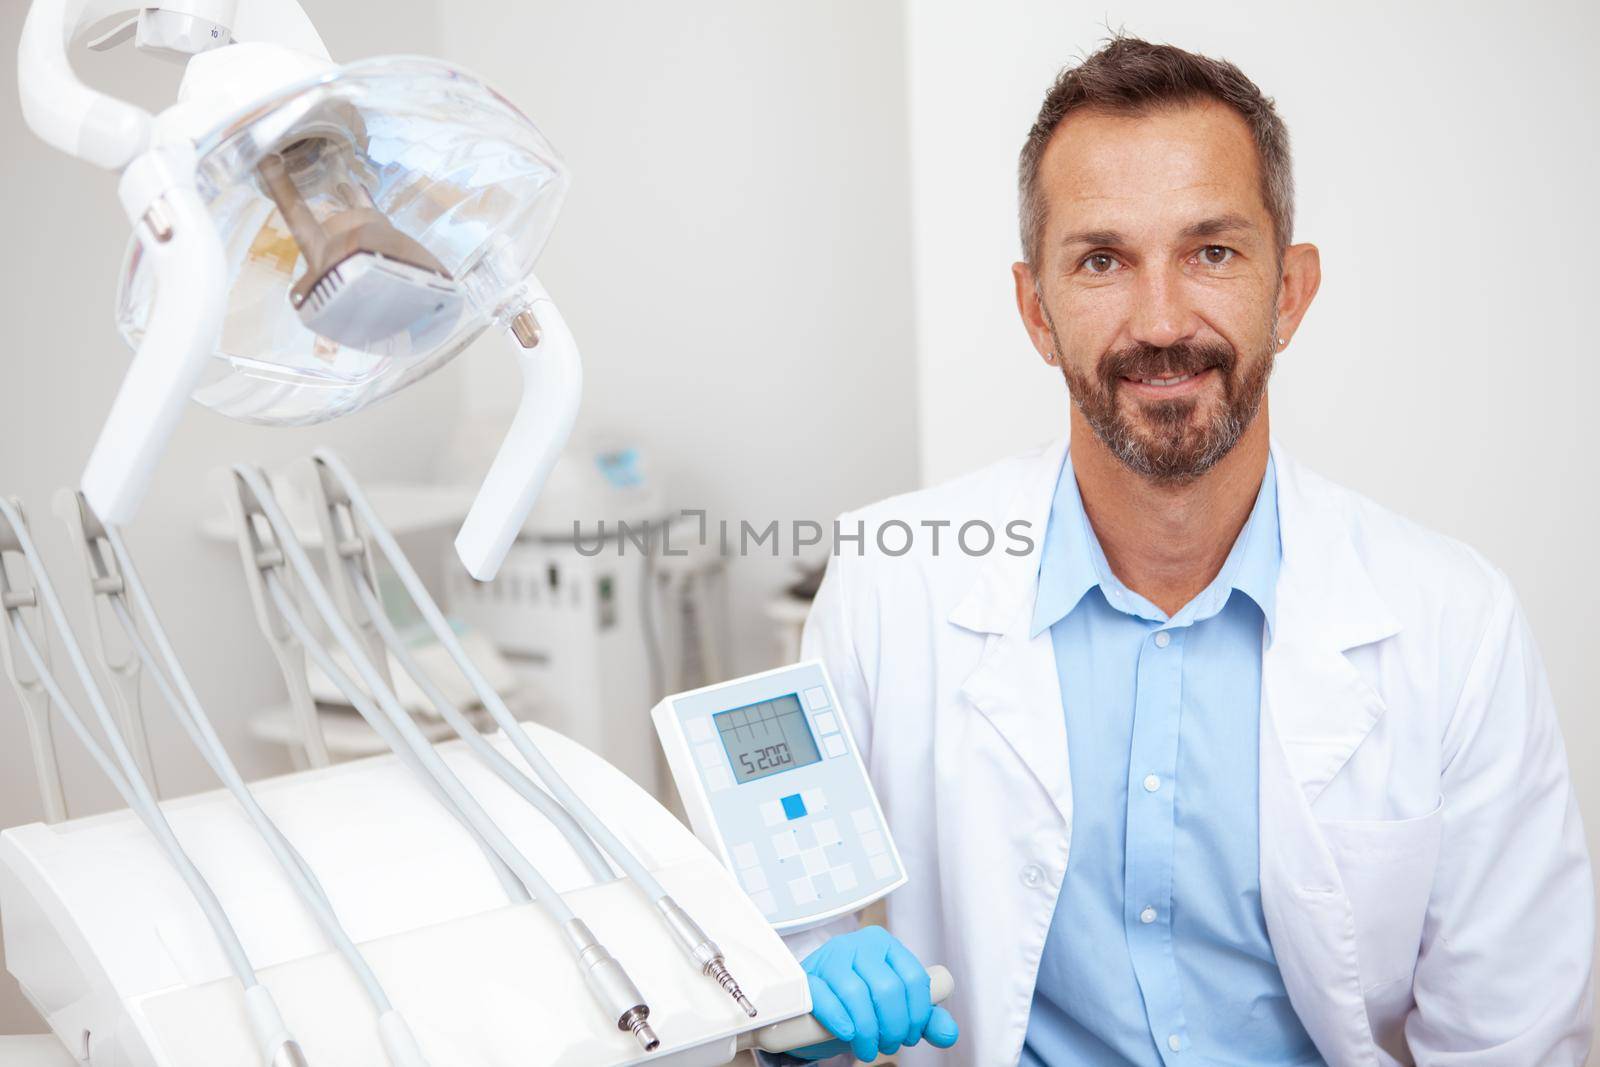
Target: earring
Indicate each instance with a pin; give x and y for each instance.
(1049, 357)
(1282, 342)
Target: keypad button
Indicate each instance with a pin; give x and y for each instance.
(816, 800)
(827, 832)
(698, 729)
(744, 855)
(718, 778)
(827, 723)
(772, 813)
(844, 878)
(833, 745)
(882, 866)
(804, 891)
(793, 806)
(816, 697)
(785, 845)
(873, 843)
(814, 861)
(754, 879)
(709, 755)
(766, 903)
(864, 820)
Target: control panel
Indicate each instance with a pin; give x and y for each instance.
(773, 783)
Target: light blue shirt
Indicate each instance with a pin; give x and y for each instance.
(1158, 951)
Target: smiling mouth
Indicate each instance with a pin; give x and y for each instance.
(1170, 381)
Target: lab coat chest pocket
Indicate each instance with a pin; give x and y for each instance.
(1387, 867)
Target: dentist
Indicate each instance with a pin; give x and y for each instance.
(1234, 766)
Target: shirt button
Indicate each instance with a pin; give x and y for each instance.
(1163, 639)
(1147, 916)
(1174, 1042)
(1151, 783)
(1032, 875)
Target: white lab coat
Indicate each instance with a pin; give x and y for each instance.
(1424, 877)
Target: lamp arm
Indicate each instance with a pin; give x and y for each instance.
(552, 385)
(57, 105)
(176, 232)
(97, 127)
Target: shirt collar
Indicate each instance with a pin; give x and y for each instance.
(1067, 565)
(1259, 550)
(1072, 562)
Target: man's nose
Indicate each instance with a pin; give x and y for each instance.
(1161, 316)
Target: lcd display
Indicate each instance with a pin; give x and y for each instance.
(767, 737)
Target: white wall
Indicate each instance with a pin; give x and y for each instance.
(733, 254)
(1447, 160)
(733, 257)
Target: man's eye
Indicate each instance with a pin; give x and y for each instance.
(1216, 255)
(1100, 263)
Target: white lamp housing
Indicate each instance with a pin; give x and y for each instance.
(308, 238)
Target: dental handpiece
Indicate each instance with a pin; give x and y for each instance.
(507, 771)
(706, 955)
(608, 982)
(277, 1045)
(175, 688)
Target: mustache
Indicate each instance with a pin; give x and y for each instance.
(1148, 361)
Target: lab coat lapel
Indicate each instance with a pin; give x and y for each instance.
(1326, 605)
(1015, 685)
(1316, 709)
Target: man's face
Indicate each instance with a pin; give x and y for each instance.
(1158, 282)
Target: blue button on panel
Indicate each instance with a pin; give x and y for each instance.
(794, 807)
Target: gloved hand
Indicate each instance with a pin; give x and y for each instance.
(872, 993)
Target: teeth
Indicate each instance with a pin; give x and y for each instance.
(1166, 381)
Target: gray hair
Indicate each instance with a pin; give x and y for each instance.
(1130, 76)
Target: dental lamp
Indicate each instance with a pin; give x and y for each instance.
(308, 237)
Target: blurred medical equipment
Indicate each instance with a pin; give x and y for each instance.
(789, 608)
(434, 662)
(308, 237)
(772, 782)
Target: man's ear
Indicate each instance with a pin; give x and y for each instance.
(1302, 277)
(1032, 311)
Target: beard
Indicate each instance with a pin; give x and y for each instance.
(1170, 441)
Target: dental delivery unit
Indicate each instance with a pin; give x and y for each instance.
(309, 238)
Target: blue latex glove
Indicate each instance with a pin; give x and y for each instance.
(872, 993)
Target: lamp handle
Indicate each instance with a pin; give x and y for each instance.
(552, 385)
